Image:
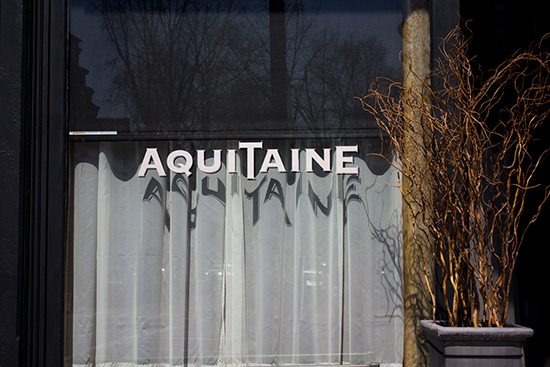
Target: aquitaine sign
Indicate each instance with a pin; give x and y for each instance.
(343, 163)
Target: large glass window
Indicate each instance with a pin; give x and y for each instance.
(231, 203)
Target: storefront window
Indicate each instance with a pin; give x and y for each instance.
(231, 203)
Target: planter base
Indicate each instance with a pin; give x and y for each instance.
(480, 347)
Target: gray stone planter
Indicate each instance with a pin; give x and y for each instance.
(480, 347)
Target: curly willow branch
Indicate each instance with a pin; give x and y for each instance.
(469, 169)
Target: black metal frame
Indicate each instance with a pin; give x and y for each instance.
(44, 177)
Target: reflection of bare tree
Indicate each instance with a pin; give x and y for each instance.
(209, 64)
(336, 70)
(173, 56)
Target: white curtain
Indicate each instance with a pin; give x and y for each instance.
(218, 269)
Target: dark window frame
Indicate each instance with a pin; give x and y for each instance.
(42, 263)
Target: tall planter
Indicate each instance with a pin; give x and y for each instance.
(475, 346)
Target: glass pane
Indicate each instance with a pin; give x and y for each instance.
(228, 65)
(231, 203)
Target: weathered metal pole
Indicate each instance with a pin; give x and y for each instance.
(416, 75)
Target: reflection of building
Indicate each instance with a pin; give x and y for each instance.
(81, 106)
(32, 143)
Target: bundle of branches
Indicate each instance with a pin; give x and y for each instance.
(466, 170)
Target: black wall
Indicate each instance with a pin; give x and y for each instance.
(500, 28)
(11, 71)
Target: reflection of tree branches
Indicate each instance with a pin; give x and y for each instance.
(205, 64)
(336, 69)
(173, 56)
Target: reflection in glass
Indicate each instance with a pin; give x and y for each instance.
(180, 65)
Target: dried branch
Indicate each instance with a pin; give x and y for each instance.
(469, 170)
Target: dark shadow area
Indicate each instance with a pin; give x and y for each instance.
(500, 28)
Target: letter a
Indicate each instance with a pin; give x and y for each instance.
(151, 154)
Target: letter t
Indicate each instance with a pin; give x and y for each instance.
(250, 156)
